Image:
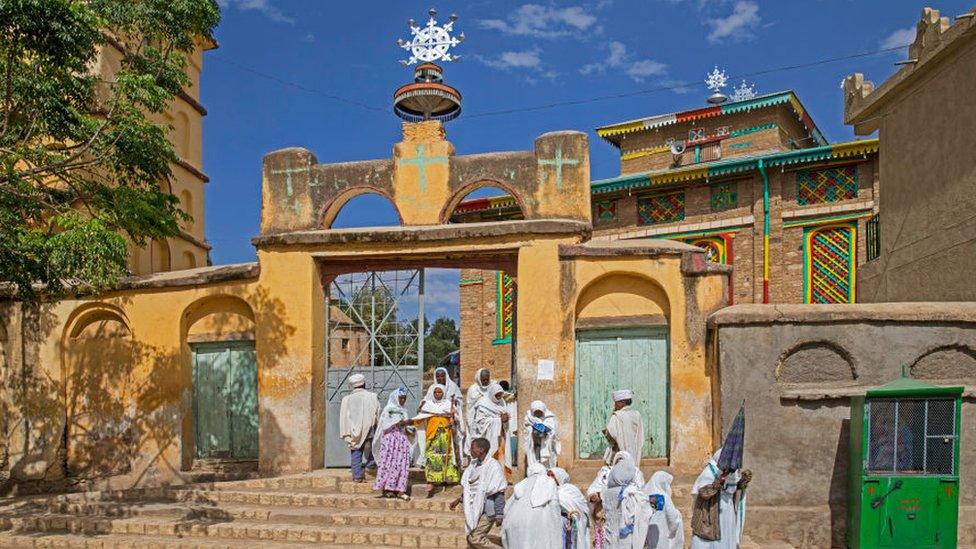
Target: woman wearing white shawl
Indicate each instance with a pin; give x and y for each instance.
(532, 519)
(391, 447)
(666, 529)
(627, 509)
(442, 462)
(541, 446)
(453, 393)
(573, 505)
(490, 419)
(478, 389)
(597, 516)
(713, 483)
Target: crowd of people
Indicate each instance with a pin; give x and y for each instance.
(471, 439)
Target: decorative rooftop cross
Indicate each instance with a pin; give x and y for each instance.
(716, 80)
(743, 92)
(558, 161)
(431, 42)
(422, 162)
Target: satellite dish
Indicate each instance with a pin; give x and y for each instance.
(677, 147)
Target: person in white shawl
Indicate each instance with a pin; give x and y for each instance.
(478, 389)
(453, 394)
(484, 485)
(540, 434)
(597, 516)
(716, 489)
(490, 419)
(442, 460)
(574, 507)
(532, 519)
(391, 447)
(625, 430)
(666, 530)
(358, 413)
(627, 509)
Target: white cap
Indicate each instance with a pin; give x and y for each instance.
(357, 380)
(623, 394)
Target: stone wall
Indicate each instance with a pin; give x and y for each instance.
(795, 367)
(479, 319)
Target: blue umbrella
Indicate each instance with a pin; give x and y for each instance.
(731, 457)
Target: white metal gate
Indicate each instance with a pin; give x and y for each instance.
(375, 327)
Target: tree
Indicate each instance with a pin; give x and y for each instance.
(441, 340)
(83, 167)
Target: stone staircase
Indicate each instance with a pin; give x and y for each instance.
(321, 509)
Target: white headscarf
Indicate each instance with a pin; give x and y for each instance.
(624, 477)
(490, 402)
(537, 486)
(711, 472)
(548, 418)
(451, 390)
(392, 414)
(435, 405)
(660, 483)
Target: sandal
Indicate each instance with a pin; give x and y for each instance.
(404, 497)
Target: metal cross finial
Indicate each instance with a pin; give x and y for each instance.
(716, 80)
(431, 42)
(743, 91)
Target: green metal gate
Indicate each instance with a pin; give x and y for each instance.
(225, 400)
(607, 360)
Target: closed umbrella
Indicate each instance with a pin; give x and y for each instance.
(731, 457)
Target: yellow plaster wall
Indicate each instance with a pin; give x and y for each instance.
(419, 196)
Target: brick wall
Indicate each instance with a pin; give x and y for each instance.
(478, 312)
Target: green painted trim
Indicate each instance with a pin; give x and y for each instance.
(743, 145)
(506, 341)
(821, 220)
(467, 281)
(765, 275)
(758, 103)
(691, 234)
(754, 129)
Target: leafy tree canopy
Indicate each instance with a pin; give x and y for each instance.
(82, 164)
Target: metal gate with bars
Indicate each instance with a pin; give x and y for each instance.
(911, 436)
(375, 327)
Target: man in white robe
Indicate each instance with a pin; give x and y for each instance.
(574, 508)
(484, 485)
(540, 434)
(714, 493)
(625, 428)
(666, 529)
(482, 379)
(532, 518)
(358, 414)
(490, 419)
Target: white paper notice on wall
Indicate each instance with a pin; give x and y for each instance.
(547, 369)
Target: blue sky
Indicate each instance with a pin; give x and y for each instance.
(320, 74)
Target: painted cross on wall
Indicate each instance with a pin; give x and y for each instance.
(289, 201)
(422, 162)
(558, 162)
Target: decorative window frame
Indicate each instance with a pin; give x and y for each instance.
(505, 301)
(808, 235)
(805, 176)
(734, 192)
(648, 197)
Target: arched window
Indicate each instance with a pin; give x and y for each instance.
(189, 260)
(159, 254)
(829, 264)
(364, 210)
(487, 203)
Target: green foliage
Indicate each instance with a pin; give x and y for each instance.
(442, 339)
(83, 166)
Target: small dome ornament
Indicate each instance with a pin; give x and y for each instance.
(716, 80)
(428, 97)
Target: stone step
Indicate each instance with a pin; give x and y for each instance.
(315, 516)
(288, 498)
(249, 531)
(71, 541)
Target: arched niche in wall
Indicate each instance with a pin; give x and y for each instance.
(621, 298)
(956, 362)
(219, 318)
(101, 392)
(483, 201)
(159, 256)
(361, 207)
(815, 362)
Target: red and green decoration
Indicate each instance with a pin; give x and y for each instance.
(830, 266)
(661, 208)
(824, 186)
(724, 196)
(505, 296)
(606, 210)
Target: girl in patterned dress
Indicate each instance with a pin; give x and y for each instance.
(442, 464)
(390, 444)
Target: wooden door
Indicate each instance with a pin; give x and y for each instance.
(607, 360)
(225, 401)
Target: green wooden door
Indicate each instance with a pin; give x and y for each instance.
(225, 400)
(607, 360)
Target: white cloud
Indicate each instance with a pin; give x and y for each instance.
(543, 21)
(619, 58)
(527, 59)
(899, 38)
(263, 6)
(441, 297)
(737, 25)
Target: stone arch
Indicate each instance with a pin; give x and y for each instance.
(183, 132)
(186, 201)
(218, 318)
(815, 362)
(473, 186)
(159, 256)
(955, 361)
(332, 208)
(624, 295)
(189, 260)
(100, 392)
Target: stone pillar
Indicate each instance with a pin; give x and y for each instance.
(421, 164)
(290, 341)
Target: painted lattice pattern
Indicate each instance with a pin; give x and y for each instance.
(506, 307)
(661, 208)
(606, 210)
(724, 196)
(829, 185)
(830, 265)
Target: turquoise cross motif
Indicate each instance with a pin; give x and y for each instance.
(558, 162)
(422, 162)
(289, 188)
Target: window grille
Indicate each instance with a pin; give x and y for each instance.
(873, 232)
(911, 436)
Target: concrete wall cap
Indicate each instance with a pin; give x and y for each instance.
(948, 312)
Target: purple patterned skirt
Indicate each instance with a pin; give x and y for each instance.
(394, 462)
